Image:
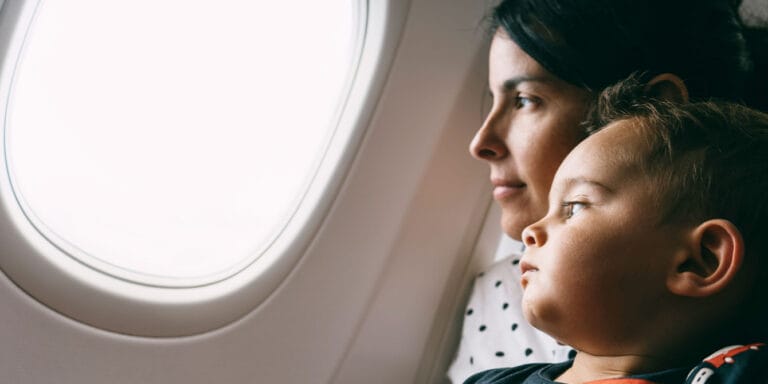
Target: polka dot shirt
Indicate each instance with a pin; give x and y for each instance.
(495, 334)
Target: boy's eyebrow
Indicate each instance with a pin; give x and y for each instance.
(570, 182)
(512, 83)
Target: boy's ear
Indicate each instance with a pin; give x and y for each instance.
(667, 86)
(714, 255)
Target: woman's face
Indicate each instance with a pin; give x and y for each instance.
(532, 125)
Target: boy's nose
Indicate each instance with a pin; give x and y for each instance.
(534, 235)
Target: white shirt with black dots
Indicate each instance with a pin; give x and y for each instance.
(495, 334)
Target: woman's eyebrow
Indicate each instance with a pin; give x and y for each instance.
(512, 83)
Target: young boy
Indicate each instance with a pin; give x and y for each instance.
(653, 252)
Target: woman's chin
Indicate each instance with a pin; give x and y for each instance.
(515, 216)
(513, 224)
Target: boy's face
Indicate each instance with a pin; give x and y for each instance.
(595, 268)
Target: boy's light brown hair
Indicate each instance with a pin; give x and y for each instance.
(708, 160)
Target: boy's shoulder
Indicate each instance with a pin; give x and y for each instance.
(528, 374)
(547, 373)
(736, 364)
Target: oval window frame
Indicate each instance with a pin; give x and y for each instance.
(87, 295)
(78, 244)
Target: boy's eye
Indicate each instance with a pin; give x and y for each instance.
(572, 208)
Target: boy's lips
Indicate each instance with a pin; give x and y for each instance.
(527, 267)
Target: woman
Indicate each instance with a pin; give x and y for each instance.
(547, 61)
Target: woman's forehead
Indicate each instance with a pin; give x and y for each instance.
(511, 68)
(507, 59)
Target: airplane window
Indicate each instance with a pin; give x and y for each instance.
(168, 143)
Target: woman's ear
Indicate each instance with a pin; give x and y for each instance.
(667, 86)
(713, 257)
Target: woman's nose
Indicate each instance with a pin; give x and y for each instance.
(489, 141)
(534, 235)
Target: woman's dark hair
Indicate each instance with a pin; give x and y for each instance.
(595, 43)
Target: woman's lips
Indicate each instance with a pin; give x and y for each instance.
(505, 191)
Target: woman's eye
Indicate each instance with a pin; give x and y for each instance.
(572, 208)
(523, 101)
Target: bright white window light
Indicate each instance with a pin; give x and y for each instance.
(169, 142)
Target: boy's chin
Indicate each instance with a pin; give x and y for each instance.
(539, 318)
(530, 314)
